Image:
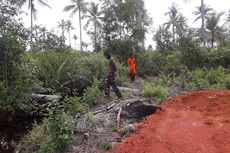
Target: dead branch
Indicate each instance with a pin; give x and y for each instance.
(118, 117)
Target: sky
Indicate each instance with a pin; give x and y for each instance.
(156, 9)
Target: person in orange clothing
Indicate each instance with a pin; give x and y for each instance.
(132, 67)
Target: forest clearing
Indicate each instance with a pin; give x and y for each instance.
(109, 91)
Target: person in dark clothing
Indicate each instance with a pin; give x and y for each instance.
(111, 74)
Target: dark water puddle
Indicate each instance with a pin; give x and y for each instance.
(12, 129)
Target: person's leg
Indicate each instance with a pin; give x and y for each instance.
(132, 77)
(115, 89)
(107, 87)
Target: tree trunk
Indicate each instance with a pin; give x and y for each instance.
(202, 26)
(31, 23)
(173, 30)
(212, 42)
(95, 39)
(75, 41)
(69, 39)
(80, 29)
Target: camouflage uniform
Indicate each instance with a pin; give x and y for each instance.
(110, 81)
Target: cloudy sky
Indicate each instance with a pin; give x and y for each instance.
(49, 17)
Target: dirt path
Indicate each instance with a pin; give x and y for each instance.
(198, 122)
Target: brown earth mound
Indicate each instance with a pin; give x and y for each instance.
(198, 122)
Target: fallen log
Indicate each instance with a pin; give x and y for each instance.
(125, 89)
(41, 90)
(46, 98)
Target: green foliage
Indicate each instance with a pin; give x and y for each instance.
(51, 66)
(150, 63)
(157, 91)
(32, 141)
(94, 66)
(193, 56)
(60, 129)
(91, 93)
(227, 81)
(220, 57)
(106, 145)
(13, 37)
(122, 75)
(51, 136)
(200, 79)
(14, 97)
(113, 127)
(74, 105)
(173, 63)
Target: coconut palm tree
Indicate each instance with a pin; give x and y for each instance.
(213, 28)
(198, 12)
(80, 7)
(174, 17)
(69, 26)
(94, 17)
(62, 24)
(202, 12)
(33, 12)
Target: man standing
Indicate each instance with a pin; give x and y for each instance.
(132, 67)
(111, 74)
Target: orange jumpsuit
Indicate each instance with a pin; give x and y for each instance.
(132, 67)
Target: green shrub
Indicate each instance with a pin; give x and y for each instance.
(156, 91)
(200, 79)
(227, 81)
(74, 105)
(193, 56)
(122, 75)
(150, 63)
(32, 141)
(60, 127)
(91, 93)
(113, 127)
(52, 66)
(216, 75)
(106, 145)
(51, 136)
(173, 63)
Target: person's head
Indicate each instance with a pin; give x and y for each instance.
(107, 55)
(131, 55)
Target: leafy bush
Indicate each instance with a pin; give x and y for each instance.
(150, 63)
(51, 136)
(158, 92)
(91, 93)
(227, 82)
(51, 66)
(193, 56)
(201, 79)
(60, 129)
(106, 145)
(74, 105)
(32, 141)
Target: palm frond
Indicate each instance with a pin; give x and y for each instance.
(44, 3)
(69, 8)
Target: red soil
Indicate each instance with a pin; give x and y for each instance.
(198, 122)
